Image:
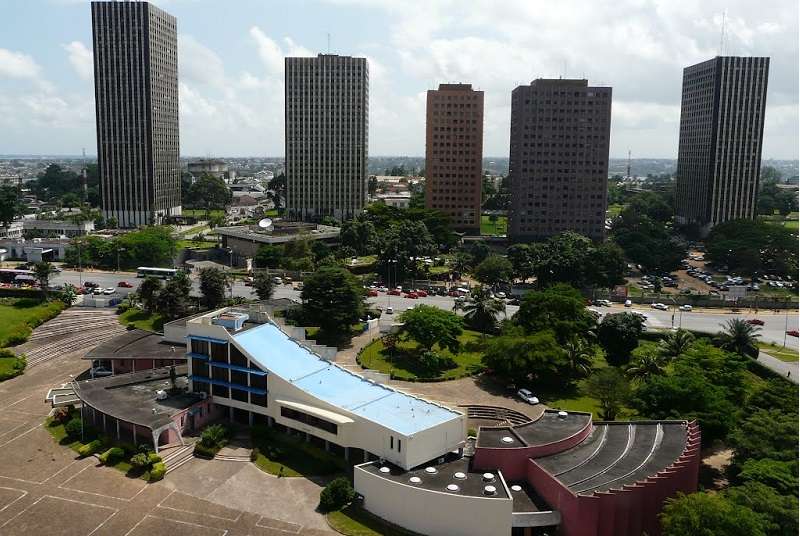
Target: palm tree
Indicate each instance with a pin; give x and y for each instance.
(645, 367)
(42, 272)
(579, 355)
(675, 343)
(482, 309)
(739, 337)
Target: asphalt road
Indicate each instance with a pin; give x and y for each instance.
(710, 321)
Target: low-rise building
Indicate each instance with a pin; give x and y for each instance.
(211, 166)
(397, 200)
(245, 240)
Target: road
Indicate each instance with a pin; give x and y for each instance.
(709, 321)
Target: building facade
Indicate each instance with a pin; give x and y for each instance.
(454, 153)
(136, 100)
(558, 163)
(210, 166)
(327, 111)
(721, 134)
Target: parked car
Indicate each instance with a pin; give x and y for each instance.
(685, 307)
(755, 322)
(372, 293)
(124, 284)
(394, 292)
(99, 372)
(602, 303)
(659, 306)
(412, 295)
(109, 291)
(422, 294)
(501, 295)
(277, 280)
(527, 396)
(792, 333)
(90, 284)
(628, 303)
(389, 310)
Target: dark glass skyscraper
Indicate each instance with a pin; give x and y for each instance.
(327, 114)
(722, 129)
(136, 99)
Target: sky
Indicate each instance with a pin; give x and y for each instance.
(230, 55)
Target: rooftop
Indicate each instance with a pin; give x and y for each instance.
(276, 352)
(279, 232)
(551, 426)
(137, 344)
(132, 397)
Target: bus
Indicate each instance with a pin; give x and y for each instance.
(161, 273)
(8, 275)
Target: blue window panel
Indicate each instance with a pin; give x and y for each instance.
(207, 339)
(212, 381)
(218, 364)
(201, 357)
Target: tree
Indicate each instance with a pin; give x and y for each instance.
(277, 185)
(148, 293)
(210, 193)
(604, 265)
(478, 251)
(333, 299)
(359, 235)
(675, 343)
(580, 356)
(647, 242)
(779, 475)
(336, 495)
(42, 271)
(9, 204)
(611, 389)
(70, 200)
(461, 262)
(778, 511)
(173, 300)
(268, 256)
(751, 247)
(263, 285)
(482, 310)
(519, 256)
(68, 294)
(739, 337)
(765, 434)
(213, 283)
(646, 366)
(652, 205)
(538, 359)
(429, 325)
(619, 334)
(560, 308)
(709, 515)
(493, 269)
(403, 244)
(149, 246)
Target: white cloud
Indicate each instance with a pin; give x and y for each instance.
(18, 65)
(268, 50)
(80, 58)
(198, 63)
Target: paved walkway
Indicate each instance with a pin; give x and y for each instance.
(787, 369)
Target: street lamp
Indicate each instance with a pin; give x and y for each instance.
(230, 283)
(118, 250)
(389, 277)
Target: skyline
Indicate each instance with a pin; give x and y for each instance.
(231, 78)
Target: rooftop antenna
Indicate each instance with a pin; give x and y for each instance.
(629, 163)
(329, 42)
(722, 34)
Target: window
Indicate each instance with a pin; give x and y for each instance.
(219, 352)
(199, 347)
(391, 442)
(310, 420)
(237, 357)
(399, 445)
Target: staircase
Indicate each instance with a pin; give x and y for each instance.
(178, 456)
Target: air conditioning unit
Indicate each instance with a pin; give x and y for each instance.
(161, 394)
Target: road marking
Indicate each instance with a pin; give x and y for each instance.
(222, 532)
(67, 488)
(37, 501)
(22, 491)
(161, 505)
(260, 519)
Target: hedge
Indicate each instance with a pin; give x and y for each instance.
(158, 471)
(13, 365)
(90, 448)
(205, 452)
(112, 456)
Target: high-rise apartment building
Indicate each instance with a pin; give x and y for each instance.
(327, 112)
(454, 154)
(722, 128)
(558, 162)
(136, 99)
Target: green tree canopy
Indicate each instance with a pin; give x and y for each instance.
(765, 434)
(779, 475)
(619, 334)
(612, 390)
(213, 283)
(481, 310)
(753, 247)
(779, 512)
(209, 193)
(429, 325)
(333, 299)
(263, 285)
(359, 235)
(647, 242)
(173, 299)
(703, 514)
(538, 359)
(10, 206)
(559, 308)
(268, 256)
(148, 293)
(403, 243)
(493, 269)
(739, 337)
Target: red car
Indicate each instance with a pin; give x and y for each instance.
(792, 333)
(422, 294)
(394, 292)
(755, 322)
(372, 293)
(124, 284)
(412, 295)
(452, 293)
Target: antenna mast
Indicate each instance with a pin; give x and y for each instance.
(722, 34)
(629, 163)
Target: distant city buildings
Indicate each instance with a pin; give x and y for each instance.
(558, 163)
(211, 166)
(136, 99)
(454, 153)
(721, 133)
(327, 104)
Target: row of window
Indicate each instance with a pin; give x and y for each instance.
(311, 420)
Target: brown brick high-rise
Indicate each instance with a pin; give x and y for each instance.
(558, 163)
(454, 154)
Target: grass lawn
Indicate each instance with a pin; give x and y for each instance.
(614, 210)
(779, 352)
(142, 320)
(297, 458)
(201, 214)
(494, 229)
(355, 521)
(19, 315)
(195, 244)
(438, 270)
(406, 366)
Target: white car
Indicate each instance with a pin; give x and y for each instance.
(628, 303)
(109, 291)
(500, 295)
(527, 396)
(277, 280)
(99, 372)
(659, 306)
(686, 307)
(389, 310)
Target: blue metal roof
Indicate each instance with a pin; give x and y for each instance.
(272, 349)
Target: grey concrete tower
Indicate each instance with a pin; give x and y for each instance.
(136, 99)
(327, 122)
(558, 163)
(721, 133)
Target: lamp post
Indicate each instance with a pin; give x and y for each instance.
(118, 250)
(230, 284)
(389, 277)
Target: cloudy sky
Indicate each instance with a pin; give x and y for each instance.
(231, 65)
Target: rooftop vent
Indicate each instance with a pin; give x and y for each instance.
(562, 414)
(516, 487)
(489, 490)
(161, 394)
(488, 477)
(431, 470)
(507, 439)
(415, 480)
(452, 487)
(459, 475)
(384, 469)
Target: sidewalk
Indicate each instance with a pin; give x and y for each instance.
(786, 369)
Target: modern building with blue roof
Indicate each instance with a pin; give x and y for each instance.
(259, 374)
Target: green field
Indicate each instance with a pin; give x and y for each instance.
(405, 365)
(201, 214)
(195, 244)
(494, 229)
(779, 352)
(614, 210)
(18, 316)
(354, 521)
(289, 456)
(142, 320)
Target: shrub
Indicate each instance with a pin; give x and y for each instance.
(61, 415)
(472, 432)
(140, 460)
(214, 436)
(433, 361)
(158, 471)
(129, 448)
(203, 451)
(153, 458)
(19, 336)
(254, 454)
(73, 427)
(336, 495)
(112, 456)
(90, 448)
(122, 307)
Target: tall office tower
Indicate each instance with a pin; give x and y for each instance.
(454, 154)
(327, 112)
(136, 98)
(558, 164)
(722, 128)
